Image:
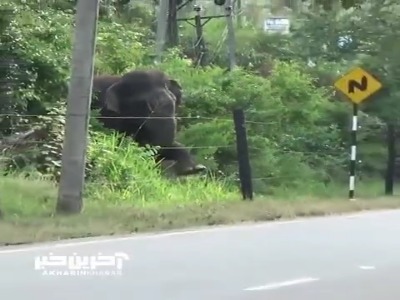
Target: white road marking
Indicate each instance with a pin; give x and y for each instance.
(108, 239)
(367, 267)
(278, 285)
(243, 226)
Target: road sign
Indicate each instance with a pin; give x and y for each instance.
(344, 41)
(358, 85)
(277, 25)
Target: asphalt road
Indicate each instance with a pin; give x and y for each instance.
(335, 258)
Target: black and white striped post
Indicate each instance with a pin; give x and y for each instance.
(357, 85)
(353, 152)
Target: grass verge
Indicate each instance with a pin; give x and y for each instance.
(27, 211)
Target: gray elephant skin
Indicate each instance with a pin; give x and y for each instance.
(144, 104)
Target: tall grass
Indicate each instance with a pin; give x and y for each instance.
(126, 173)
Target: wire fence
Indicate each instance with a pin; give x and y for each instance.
(99, 117)
(8, 144)
(262, 178)
(197, 117)
(304, 153)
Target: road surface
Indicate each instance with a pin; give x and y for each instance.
(354, 257)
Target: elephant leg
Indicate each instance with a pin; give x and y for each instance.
(168, 168)
(185, 164)
(160, 131)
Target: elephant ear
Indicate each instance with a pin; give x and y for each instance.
(174, 84)
(112, 102)
(176, 89)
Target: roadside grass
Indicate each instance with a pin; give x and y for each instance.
(27, 207)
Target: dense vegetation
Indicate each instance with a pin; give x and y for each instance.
(297, 125)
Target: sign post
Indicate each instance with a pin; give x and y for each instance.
(357, 85)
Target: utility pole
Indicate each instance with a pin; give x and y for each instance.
(239, 13)
(167, 25)
(200, 46)
(172, 23)
(161, 28)
(77, 117)
(231, 35)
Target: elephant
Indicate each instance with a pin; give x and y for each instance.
(102, 82)
(100, 85)
(145, 110)
(172, 84)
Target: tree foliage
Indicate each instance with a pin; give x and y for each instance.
(297, 125)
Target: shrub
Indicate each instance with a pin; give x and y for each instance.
(126, 173)
(289, 121)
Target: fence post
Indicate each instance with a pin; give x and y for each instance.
(391, 159)
(243, 154)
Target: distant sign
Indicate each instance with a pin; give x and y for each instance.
(358, 85)
(277, 25)
(344, 41)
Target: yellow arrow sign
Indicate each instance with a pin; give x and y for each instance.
(358, 85)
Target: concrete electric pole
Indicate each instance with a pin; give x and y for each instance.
(231, 35)
(172, 24)
(78, 109)
(161, 28)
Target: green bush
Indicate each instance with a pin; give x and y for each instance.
(297, 128)
(123, 172)
(289, 122)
